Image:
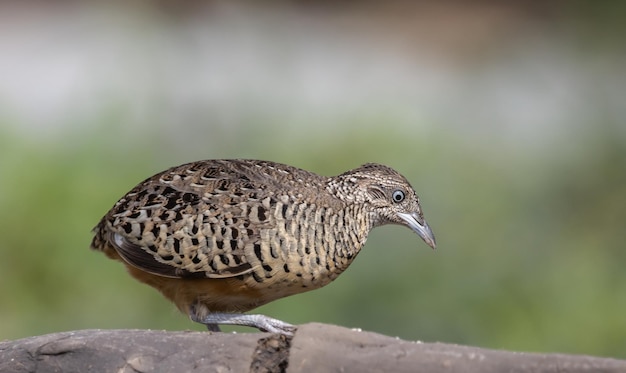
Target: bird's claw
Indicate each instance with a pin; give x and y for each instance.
(276, 326)
(261, 322)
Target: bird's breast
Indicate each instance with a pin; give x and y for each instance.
(307, 247)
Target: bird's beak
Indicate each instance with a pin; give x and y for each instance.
(419, 226)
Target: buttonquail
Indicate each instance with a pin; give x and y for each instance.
(221, 237)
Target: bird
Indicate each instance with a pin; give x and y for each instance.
(221, 237)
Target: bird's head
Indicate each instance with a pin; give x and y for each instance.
(388, 196)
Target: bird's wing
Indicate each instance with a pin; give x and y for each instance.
(197, 220)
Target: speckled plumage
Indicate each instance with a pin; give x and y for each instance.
(226, 236)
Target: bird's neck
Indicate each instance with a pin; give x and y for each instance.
(350, 232)
(353, 221)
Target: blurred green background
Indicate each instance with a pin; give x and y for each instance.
(508, 119)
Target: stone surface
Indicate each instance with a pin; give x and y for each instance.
(314, 348)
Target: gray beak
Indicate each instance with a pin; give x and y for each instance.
(420, 227)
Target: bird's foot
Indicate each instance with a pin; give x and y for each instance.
(261, 322)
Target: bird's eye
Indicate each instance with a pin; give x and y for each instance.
(398, 196)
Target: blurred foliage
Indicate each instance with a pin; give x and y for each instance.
(530, 248)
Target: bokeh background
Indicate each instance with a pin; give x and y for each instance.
(508, 118)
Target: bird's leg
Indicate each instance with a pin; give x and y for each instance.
(261, 322)
(212, 327)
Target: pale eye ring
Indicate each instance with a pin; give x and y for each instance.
(397, 196)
